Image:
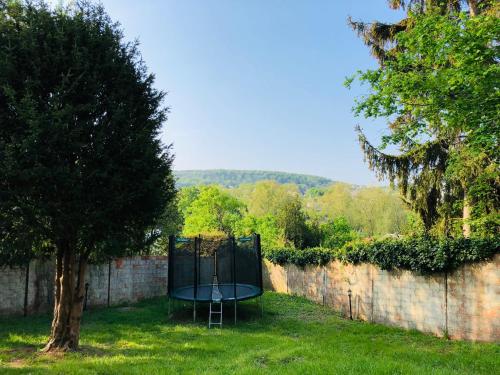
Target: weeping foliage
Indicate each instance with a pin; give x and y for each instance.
(418, 173)
(380, 36)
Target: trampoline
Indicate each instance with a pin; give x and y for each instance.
(199, 268)
(204, 292)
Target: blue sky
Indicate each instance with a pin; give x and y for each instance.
(258, 84)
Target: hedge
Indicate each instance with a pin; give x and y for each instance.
(314, 255)
(420, 254)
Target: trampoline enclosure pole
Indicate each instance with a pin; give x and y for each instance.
(197, 241)
(233, 244)
(170, 269)
(259, 260)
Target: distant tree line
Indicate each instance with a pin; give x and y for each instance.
(234, 178)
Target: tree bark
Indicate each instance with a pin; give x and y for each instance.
(69, 297)
(473, 9)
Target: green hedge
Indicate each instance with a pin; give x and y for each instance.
(314, 255)
(420, 254)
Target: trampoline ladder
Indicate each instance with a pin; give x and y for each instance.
(213, 313)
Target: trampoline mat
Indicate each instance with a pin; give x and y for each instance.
(204, 292)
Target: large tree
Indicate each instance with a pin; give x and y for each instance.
(83, 174)
(437, 85)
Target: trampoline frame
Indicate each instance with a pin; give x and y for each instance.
(197, 244)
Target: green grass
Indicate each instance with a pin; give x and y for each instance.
(294, 336)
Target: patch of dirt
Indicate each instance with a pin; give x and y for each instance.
(19, 354)
(23, 354)
(92, 351)
(27, 349)
(84, 350)
(52, 355)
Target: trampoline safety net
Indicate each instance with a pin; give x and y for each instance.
(236, 264)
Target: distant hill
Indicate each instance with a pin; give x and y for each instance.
(233, 178)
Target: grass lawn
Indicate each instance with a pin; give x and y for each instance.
(294, 336)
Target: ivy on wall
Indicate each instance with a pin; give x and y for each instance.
(419, 254)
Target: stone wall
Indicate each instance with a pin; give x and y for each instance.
(462, 305)
(131, 279)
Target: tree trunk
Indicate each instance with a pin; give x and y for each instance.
(68, 304)
(473, 9)
(466, 217)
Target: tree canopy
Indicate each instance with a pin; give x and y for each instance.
(284, 218)
(212, 211)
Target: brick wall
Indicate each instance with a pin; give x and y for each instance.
(464, 304)
(132, 279)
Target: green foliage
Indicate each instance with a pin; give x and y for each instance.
(424, 255)
(369, 211)
(414, 225)
(336, 233)
(266, 197)
(300, 257)
(170, 223)
(284, 217)
(313, 234)
(421, 254)
(212, 211)
(235, 178)
(186, 197)
(439, 87)
(271, 235)
(292, 220)
(82, 169)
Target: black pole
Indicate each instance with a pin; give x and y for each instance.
(170, 270)
(197, 241)
(195, 266)
(26, 287)
(349, 293)
(109, 281)
(198, 271)
(259, 260)
(215, 266)
(233, 244)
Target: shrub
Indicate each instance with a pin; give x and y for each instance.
(336, 233)
(301, 257)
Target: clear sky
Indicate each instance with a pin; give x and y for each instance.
(258, 84)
